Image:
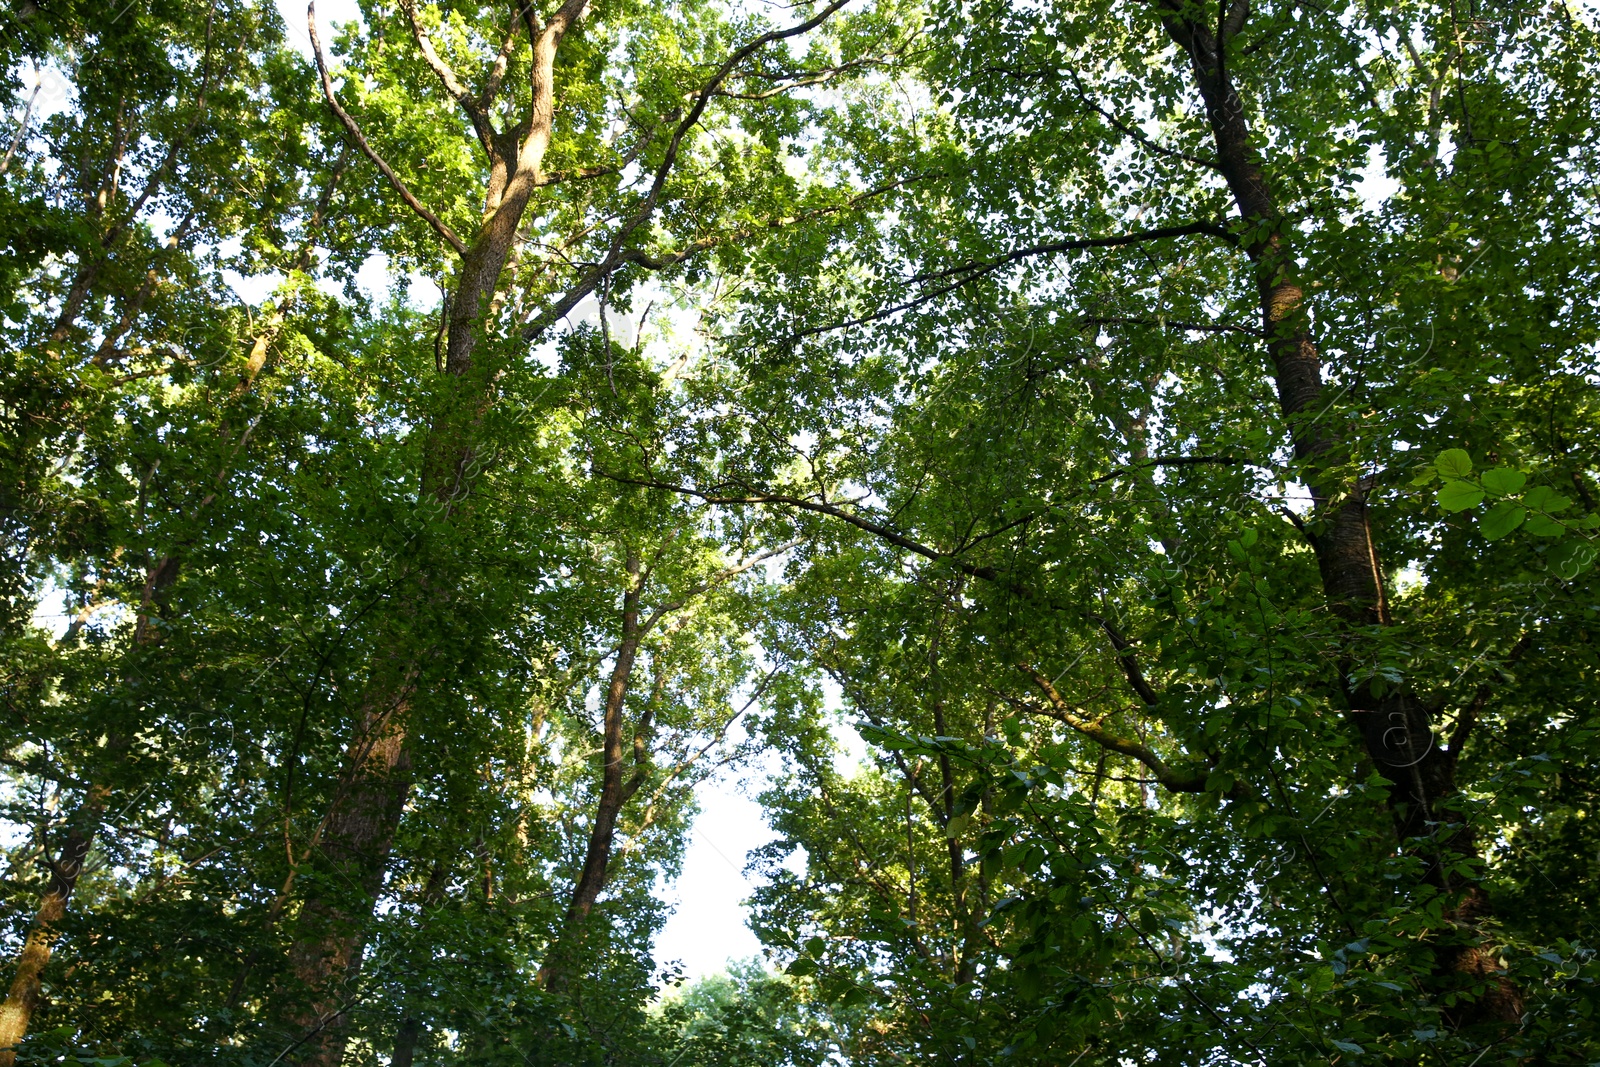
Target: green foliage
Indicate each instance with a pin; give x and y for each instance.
(914, 388)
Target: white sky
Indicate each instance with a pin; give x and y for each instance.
(708, 928)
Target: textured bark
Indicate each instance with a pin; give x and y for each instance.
(1394, 727)
(326, 955)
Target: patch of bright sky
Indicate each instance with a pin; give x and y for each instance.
(330, 13)
(708, 927)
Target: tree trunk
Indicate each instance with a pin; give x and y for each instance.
(326, 954)
(26, 991)
(556, 974)
(1394, 727)
(27, 986)
(23, 998)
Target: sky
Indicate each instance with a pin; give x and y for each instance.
(707, 929)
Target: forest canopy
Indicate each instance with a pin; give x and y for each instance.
(436, 437)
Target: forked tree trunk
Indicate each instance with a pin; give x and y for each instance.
(1393, 727)
(366, 810)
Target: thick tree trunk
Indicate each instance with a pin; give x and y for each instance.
(326, 954)
(1394, 727)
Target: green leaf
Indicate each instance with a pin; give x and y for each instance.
(1347, 1046)
(1503, 481)
(1502, 519)
(1454, 463)
(1544, 526)
(956, 827)
(802, 967)
(1545, 499)
(853, 996)
(1459, 496)
(1425, 475)
(1572, 558)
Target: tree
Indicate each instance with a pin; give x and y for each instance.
(1044, 378)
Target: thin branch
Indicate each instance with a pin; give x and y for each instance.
(1177, 781)
(1194, 327)
(823, 508)
(704, 244)
(1163, 461)
(1469, 714)
(497, 73)
(715, 580)
(971, 272)
(350, 126)
(447, 77)
(978, 268)
(647, 206)
(803, 79)
(22, 125)
(1139, 135)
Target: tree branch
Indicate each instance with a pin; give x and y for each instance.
(616, 254)
(361, 142)
(447, 77)
(1177, 781)
(1129, 662)
(971, 272)
(1469, 714)
(497, 72)
(715, 580)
